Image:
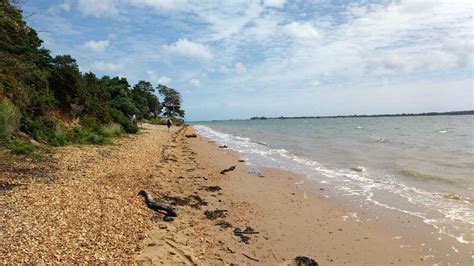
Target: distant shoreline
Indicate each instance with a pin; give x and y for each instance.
(470, 112)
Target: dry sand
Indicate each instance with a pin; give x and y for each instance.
(82, 206)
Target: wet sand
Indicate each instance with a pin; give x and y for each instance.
(90, 212)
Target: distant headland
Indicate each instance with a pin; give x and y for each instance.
(470, 112)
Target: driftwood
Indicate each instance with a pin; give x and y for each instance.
(223, 146)
(250, 258)
(232, 168)
(157, 206)
(248, 231)
(191, 136)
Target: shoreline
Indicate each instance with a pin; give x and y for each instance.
(396, 238)
(87, 210)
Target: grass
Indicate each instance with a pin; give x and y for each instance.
(9, 119)
(23, 148)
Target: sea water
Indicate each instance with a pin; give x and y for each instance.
(420, 166)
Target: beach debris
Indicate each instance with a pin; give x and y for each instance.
(304, 261)
(212, 215)
(241, 161)
(244, 238)
(213, 188)
(193, 201)
(157, 206)
(177, 201)
(198, 201)
(223, 224)
(232, 168)
(250, 258)
(191, 136)
(223, 146)
(243, 234)
(253, 172)
(248, 230)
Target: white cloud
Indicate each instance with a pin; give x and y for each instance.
(98, 8)
(65, 5)
(301, 30)
(240, 69)
(274, 3)
(97, 46)
(106, 66)
(195, 83)
(164, 80)
(161, 4)
(188, 48)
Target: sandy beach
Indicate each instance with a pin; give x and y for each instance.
(82, 205)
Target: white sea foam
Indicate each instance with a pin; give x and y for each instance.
(433, 209)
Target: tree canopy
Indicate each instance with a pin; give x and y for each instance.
(171, 101)
(50, 92)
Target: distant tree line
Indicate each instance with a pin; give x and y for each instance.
(469, 112)
(50, 100)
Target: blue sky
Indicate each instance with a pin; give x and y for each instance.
(237, 59)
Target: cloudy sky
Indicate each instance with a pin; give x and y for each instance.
(237, 58)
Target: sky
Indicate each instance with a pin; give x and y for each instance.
(236, 59)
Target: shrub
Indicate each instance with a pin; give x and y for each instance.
(45, 129)
(59, 137)
(82, 135)
(21, 148)
(120, 118)
(91, 122)
(9, 119)
(111, 130)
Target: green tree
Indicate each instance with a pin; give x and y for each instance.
(171, 101)
(65, 81)
(145, 99)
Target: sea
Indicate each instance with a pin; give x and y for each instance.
(421, 166)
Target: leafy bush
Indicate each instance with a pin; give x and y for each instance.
(120, 118)
(21, 148)
(9, 119)
(111, 130)
(91, 122)
(83, 135)
(158, 121)
(45, 129)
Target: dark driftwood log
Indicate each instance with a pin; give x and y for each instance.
(223, 146)
(232, 168)
(191, 136)
(248, 231)
(158, 206)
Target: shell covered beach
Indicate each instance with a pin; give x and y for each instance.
(81, 204)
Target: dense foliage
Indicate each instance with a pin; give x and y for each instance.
(172, 101)
(47, 98)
